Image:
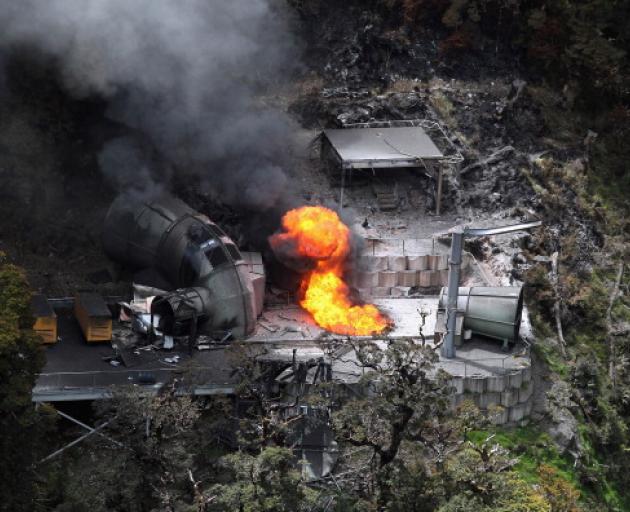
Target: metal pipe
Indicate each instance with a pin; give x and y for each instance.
(457, 238)
(455, 262)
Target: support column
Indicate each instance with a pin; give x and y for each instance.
(438, 199)
(448, 347)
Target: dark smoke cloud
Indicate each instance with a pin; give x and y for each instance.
(182, 75)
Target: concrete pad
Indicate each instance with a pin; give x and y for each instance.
(388, 278)
(397, 263)
(408, 278)
(418, 262)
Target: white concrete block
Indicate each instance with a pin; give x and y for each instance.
(397, 263)
(380, 291)
(367, 279)
(489, 398)
(408, 278)
(399, 291)
(373, 263)
(515, 379)
(509, 397)
(418, 262)
(496, 383)
(388, 278)
(475, 384)
(424, 278)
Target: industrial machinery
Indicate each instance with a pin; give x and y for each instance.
(493, 312)
(209, 287)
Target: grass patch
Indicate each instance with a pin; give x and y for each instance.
(534, 447)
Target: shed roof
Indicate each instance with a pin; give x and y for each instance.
(382, 147)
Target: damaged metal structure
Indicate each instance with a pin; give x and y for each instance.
(409, 143)
(175, 248)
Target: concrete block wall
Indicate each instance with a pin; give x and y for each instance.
(394, 275)
(505, 398)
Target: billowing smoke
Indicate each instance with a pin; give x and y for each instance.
(185, 78)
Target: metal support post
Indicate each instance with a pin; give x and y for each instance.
(455, 261)
(438, 199)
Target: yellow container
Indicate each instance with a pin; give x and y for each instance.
(93, 316)
(45, 319)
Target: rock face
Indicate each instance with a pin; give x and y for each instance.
(564, 427)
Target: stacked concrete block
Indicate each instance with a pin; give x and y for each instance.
(381, 291)
(408, 278)
(509, 397)
(399, 291)
(397, 263)
(526, 392)
(418, 262)
(424, 278)
(476, 384)
(443, 277)
(373, 263)
(436, 279)
(388, 278)
(366, 279)
(515, 379)
(499, 415)
(505, 398)
(496, 383)
(520, 411)
(489, 399)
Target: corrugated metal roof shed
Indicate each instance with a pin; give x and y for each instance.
(361, 148)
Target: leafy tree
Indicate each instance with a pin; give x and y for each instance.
(21, 425)
(147, 464)
(266, 482)
(405, 401)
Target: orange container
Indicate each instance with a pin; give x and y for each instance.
(93, 316)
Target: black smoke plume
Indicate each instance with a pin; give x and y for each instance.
(184, 76)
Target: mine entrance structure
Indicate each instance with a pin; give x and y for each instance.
(453, 290)
(409, 143)
(208, 280)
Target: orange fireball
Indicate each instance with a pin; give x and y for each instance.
(318, 234)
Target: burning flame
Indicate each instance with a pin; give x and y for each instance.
(318, 234)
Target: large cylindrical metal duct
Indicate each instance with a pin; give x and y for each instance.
(189, 251)
(489, 311)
